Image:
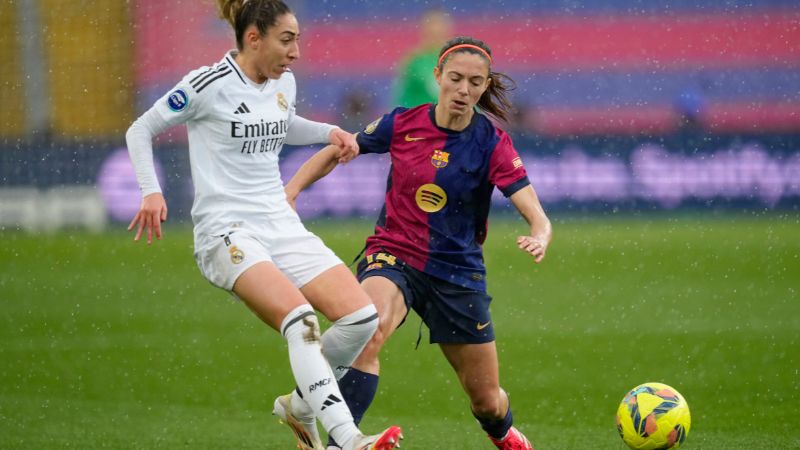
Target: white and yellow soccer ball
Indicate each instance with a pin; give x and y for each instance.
(653, 416)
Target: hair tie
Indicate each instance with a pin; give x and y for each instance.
(475, 47)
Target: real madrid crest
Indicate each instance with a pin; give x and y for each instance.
(439, 159)
(237, 256)
(282, 103)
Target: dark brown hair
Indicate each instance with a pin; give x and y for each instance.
(243, 13)
(495, 100)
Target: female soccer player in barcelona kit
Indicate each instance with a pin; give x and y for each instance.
(248, 240)
(426, 251)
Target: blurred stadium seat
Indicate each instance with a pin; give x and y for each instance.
(19, 208)
(73, 206)
(81, 51)
(597, 82)
(53, 209)
(12, 90)
(591, 68)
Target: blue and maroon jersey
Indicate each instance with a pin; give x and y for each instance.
(439, 191)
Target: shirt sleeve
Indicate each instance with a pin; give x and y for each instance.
(301, 131)
(181, 104)
(305, 132)
(139, 139)
(377, 136)
(505, 167)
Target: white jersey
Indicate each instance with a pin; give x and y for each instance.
(236, 132)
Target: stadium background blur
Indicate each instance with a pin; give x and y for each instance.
(622, 105)
(661, 136)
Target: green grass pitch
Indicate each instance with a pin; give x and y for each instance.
(107, 344)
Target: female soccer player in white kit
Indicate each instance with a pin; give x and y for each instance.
(248, 240)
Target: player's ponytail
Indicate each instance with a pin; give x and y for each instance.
(495, 100)
(243, 13)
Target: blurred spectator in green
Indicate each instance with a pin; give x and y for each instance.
(415, 84)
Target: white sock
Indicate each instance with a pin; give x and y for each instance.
(313, 374)
(341, 344)
(347, 337)
(300, 407)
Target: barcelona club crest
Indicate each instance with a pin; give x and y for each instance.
(282, 103)
(440, 159)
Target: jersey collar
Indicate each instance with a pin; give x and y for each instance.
(230, 57)
(432, 116)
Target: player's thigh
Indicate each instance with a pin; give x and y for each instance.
(268, 293)
(222, 259)
(335, 293)
(389, 301)
(477, 368)
(302, 256)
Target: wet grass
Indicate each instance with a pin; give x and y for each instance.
(106, 344)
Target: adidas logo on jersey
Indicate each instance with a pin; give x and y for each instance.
(242, 109)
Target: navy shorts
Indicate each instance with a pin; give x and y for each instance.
(453, 314)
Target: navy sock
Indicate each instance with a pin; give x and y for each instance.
(358, 389)
(496, 428)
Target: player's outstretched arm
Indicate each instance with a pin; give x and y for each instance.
(139, 138)
(541, 232)
(152, 212)
(319, 165)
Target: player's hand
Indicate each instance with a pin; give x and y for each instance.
(152, 212)
(348, 147)
(536, 247)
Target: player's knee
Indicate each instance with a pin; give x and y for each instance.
(369, 355)
(348, 335)
(384, 329)
(487, 405)
(361, 324)
(376, 342)
(301, 322)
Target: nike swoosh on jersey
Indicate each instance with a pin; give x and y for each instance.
(481, 326)
(412, 139)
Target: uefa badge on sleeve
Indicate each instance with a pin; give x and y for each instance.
(177, 100)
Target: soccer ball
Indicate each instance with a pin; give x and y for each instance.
(653, 416)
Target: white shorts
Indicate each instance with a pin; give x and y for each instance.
(299, 254)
